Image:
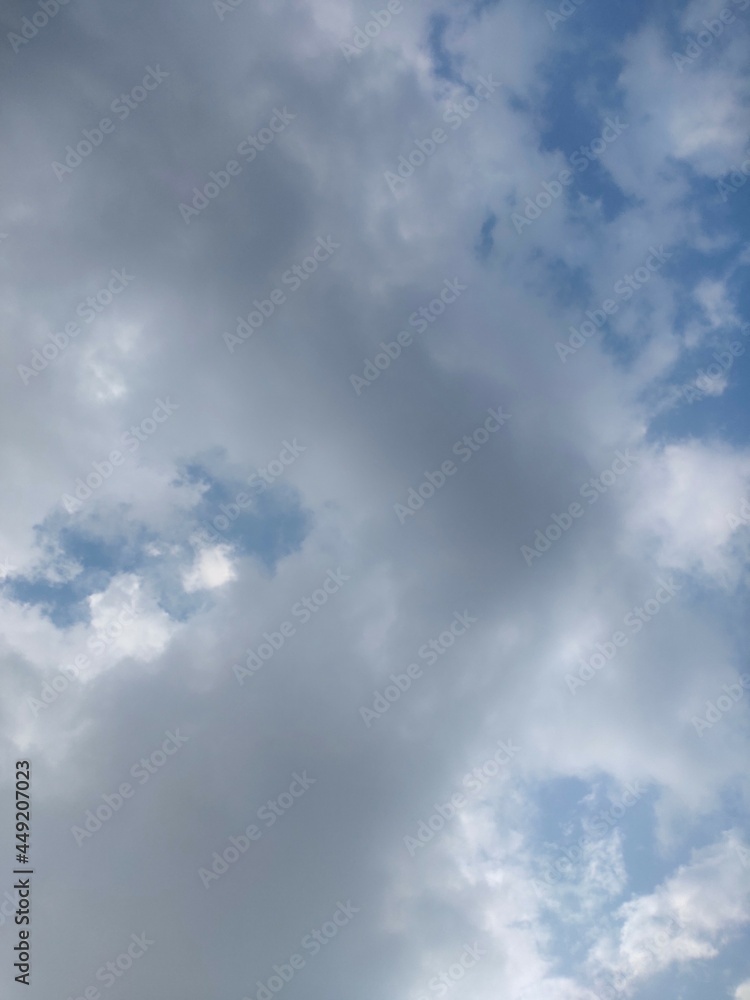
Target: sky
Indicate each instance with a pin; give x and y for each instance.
(374, 548)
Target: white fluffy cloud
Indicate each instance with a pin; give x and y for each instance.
(690, 916)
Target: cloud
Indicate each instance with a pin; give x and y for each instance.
(210, 577)
(212, 568)
(689, 917)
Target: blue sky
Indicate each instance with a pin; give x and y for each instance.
(247, 506)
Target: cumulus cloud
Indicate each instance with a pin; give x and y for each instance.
(690, 916)
(238, 565)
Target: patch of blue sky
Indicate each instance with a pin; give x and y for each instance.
(486, 240)
(76, 563)
(79, 560)
(270, 526)
(446, 64)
